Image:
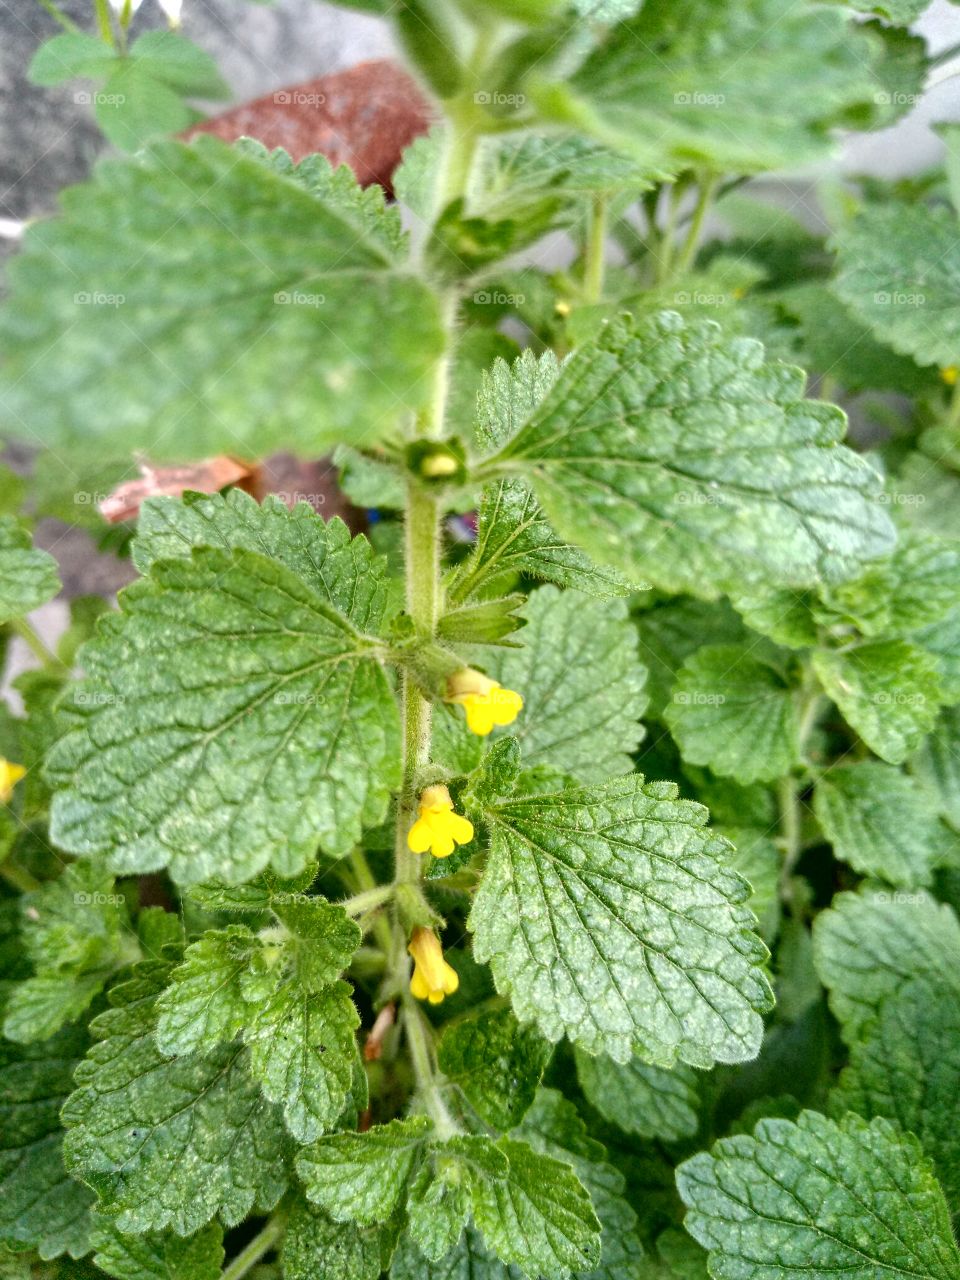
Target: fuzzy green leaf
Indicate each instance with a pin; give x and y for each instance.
(651, 1102)
(888, 691)
(734, 712)
(497, 1064)
(937, 766)
(869, 944)
(880, 822)
(581, 682)
(317, 1248)
(204, 1004)
(509, 393)
(906, 1067)
(41, 1206)
(344, 571)
(609, 916)
(899, 268)
(439, 1200)
(362, 1177)
(736, 87)
(230, 719)
(158, 1256)
(169, 1143)
(677, 456)
(173, 261)
(28, 577)
(817, 1198)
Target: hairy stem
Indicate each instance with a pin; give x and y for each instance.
(27, 633)
(688, 253)
(419, 1036)
(254, 1251)
(594, 258)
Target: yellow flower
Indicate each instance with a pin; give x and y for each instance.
(10, 775)
(432, 976)
(484, 701)
(438, 829)
(950, 374)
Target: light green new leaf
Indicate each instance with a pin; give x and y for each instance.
(303, 1052)
(496, 1063)
(888, 691)
(677, 456)
(581, 681)
(41, 1005)
(651, 1102)
(880, 821)
(906, 1067)
(937, 766)
(868, 945)
(230, 719)
(608, 915)
(734, 712)
(41, 1206)
(317, 1248)
(362, 1177)
(734, 87)
(204, 1004)
(514, 537)
(322, 940)
(539, 1217)
(509, 393)
(175, 261)
(28, 577)
(818, 1198)
(344, 571)
(439, 1200)
(158, 1256)
(899, 272)
(70, 54)
(169, 1144)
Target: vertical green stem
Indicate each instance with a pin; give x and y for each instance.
(254, 1251)
(688, 253)
(27, 633)
(594, 258)
(419, 1033)
(104, 25)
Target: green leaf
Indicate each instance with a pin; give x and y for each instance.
(41, 1207)
(880, 822)
(514, 537)
(819, 1198)
(736, 713)
(581, 682)
(362, 1177)
(303, 1052)
(539, 1217)
(468, 1260)
(439, 1200)
(158, 1257)
(937, 766)
(677, 456)
(889, 692)
(204, 1004)
(741, 87)
(230, 719)
(869, 944)
(323, 937)
(509, 394)
(134, 106)
(899, 265)
(70, 54)
(169, 1143)
(496, 1063)
(901, 12)
(28, 577)
(553, 1128)
(75, 930)
(342, 570)
(673, 630)
(608, 915)
(648, 1101)
(193, 276)
(756, 856)
(317, 1248)
(906, 1068)
(179, 64)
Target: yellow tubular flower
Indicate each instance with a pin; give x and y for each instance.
(432, 976)
(10, 775)
(438, 829)
(485, 702)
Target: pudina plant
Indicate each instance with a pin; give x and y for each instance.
(417, 906)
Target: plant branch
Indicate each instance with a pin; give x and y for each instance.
(27, 633)
(254, 1251)
(419, 1035)
(707, 190)
(594, 258)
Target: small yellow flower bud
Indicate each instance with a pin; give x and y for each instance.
(439, 464)
(562, 308)
(10, 775)
(438, 829)
(950, 375)
(485, 702)
(432, 977)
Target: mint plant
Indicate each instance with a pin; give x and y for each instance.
(578, 898)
